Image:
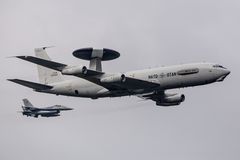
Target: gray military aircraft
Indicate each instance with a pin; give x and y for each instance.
(52, 111)
(93, 83)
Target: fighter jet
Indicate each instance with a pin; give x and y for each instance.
(92, 82)
(52, 111)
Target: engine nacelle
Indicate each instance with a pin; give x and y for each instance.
(114, 78)
(172, 100)
(74, 70)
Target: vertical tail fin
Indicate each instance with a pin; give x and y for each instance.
(23, 108)
(27, 103)
(46, 75)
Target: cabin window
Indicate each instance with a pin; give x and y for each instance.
(188, 71)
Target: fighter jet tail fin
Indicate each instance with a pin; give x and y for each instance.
(46, 75)
(27, 103)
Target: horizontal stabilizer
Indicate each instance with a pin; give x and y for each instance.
(33, 85)
(46, 63)
(56, 66)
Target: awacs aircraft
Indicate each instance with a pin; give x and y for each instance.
(52, 111)
(93, 83)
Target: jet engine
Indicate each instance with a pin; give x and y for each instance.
(114, 78)
(74, 70)
(171, 100)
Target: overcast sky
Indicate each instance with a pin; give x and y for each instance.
(147, 33)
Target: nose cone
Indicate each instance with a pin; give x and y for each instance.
(227, 72)
(224, 74)
(67, 108)
(64, 108)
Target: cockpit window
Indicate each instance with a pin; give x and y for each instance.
(218, 66)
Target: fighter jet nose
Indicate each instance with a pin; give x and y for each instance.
(67, 108)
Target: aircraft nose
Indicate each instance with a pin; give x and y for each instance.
(67, 108)
(226, 72)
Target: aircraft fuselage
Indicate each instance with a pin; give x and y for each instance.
(171, 77)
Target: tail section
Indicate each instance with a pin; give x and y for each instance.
(27, 103)
(46, 75)
(23, 108)
(33, 85)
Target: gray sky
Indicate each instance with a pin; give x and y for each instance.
(147, 34)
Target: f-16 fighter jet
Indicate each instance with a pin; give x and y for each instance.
(52, 111)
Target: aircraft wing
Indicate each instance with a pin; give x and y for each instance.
(55, 65)
(153, 96)
(92, 76)
(128, 84)
(56, 108)
(132, 84)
